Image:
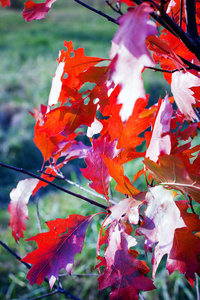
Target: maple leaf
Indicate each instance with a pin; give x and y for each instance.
(96, 170)
(160, 141)
(184, 255)
(129, 56)
(18, 206)
(181, 85)
(36, 11)
(123, 271)
(5, 3)
(57, 248)
(175, 171)
(161, 218)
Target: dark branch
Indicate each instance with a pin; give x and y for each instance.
(171, 26)
(96, 11)
(190, 13)
(53, 184)
(56, 287)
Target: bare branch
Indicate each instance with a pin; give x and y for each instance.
(96, 11)
(53, 184)
(60, 175)
(56, 287)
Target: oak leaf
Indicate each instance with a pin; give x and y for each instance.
(18, 206)
(57, 248)
(96, 170)
(36, 11)
(176, 172)
(160, 140)
(123, 271)
(161, 218)
(181, 85)
(129, 56)
(184, 255)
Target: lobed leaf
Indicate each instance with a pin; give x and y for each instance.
(57, 248)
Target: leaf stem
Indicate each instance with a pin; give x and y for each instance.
(53, 184)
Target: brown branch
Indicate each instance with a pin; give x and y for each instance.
(20, 170)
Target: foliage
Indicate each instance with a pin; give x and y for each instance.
(98, 111)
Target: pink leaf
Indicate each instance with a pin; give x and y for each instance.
(129, 56)
(160, 141)
(161, 219)
(18, 206)
(57, 248)
(36, 11)
(123, 271)
(181, 83)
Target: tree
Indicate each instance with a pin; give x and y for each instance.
(115, 118)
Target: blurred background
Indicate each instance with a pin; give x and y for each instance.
(28, 60)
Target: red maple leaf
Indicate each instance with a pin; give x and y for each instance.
(18, 206)
(123, 271)
(36, 11)
(129, 56)
(57, 248)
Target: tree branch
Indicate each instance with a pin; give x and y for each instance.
(56, 287)
(53, 184)
(96, 11)
(190, 13)
(171, 26)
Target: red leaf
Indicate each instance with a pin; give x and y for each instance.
(33, 11)
(161, 218)
(68, 119)
(96, 170)
(123, 272)
(182, 82)
(175, 171)
(130, 55)
(116, 171)
(57, 248)
(5, 3)
(160, 140)
(184, 255)
(18, 206)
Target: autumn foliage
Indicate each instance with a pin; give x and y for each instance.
(116, 119)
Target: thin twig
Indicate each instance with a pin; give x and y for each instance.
(56, 287)
(96, 11)
(78, 275)
(181, 14)
(45, 295)
(117, 10)
(38, 214)
(60, 175)
(197, 286)
(53, 184)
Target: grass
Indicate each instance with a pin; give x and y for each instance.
(28, 53)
